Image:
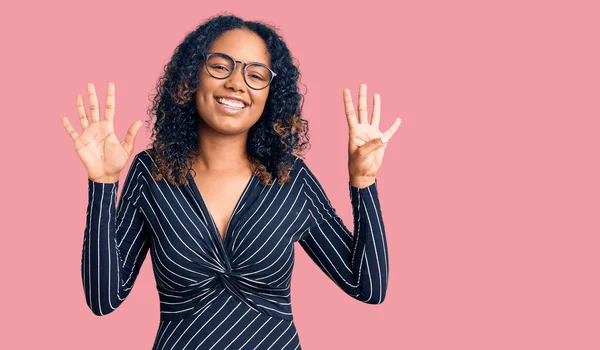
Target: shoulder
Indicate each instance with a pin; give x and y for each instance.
(297, 161)
(302, 169)
(298, 167)
(305, 175)
(142, 161)
(144, 156)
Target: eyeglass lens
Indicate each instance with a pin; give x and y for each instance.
(221, 66)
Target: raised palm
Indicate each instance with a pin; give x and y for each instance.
(98, 148)
(365, 151)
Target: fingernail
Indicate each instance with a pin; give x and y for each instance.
(384, 139)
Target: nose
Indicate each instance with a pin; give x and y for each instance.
(236, 80)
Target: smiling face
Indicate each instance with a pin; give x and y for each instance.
(218, 100)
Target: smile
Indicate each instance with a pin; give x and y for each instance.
(230, 103)
(229, 106)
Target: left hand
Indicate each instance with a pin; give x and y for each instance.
(366, 144)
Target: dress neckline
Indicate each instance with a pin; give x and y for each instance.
(216, 234)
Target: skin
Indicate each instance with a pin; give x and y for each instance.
(366, 143)
(222, 166)
(222, 137)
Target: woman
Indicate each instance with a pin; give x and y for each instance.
(222, 196)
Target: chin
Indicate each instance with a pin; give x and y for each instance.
(227, 125)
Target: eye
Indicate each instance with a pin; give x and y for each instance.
(256, 77)
(220, 67)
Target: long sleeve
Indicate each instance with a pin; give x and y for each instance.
(115, 243)
(357, 262)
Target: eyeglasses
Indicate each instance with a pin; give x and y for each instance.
(256, 75)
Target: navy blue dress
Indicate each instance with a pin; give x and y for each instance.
(231, 293)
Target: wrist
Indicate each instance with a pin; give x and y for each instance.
(105, 179)
(361, 182)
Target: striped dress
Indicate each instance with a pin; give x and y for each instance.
(232, 292)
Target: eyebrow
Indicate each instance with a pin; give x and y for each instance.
(268, 65)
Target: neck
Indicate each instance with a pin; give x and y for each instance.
(221, 153)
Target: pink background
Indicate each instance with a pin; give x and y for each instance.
(489, 189)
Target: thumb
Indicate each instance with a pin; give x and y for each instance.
(131, 134)
(374, 144)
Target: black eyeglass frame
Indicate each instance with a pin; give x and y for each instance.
(208, 54)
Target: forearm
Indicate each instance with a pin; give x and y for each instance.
(370, 244)
(100, 255)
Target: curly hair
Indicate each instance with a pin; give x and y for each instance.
(273, 141)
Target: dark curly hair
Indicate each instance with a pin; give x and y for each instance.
(274, 140)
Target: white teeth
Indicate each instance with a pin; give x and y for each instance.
(231, 103)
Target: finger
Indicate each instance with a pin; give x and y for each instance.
(372, 145)
(392, 130)
(129, 140)
(93, 102)
(349, 107)
(69, 128)
(109, 109)
(376, 111)
(83, 119)
(363, 112)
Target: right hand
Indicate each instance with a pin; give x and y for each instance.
(98, 148)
